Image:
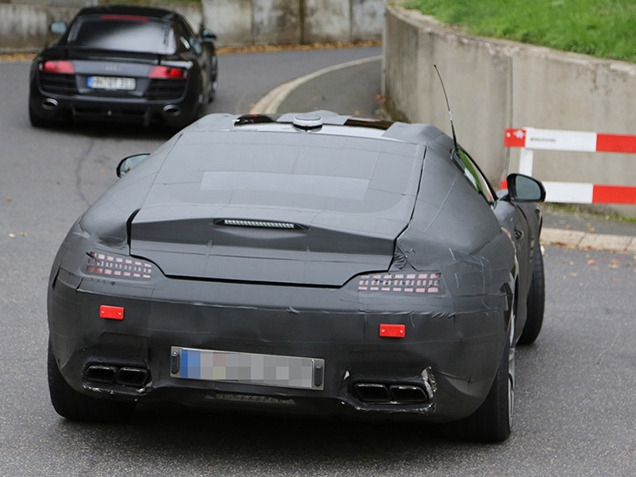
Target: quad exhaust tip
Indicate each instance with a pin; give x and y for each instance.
(124, 375)
(391, 393)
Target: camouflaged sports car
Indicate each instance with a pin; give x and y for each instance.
(312, 261)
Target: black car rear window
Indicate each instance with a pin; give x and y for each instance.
(123, 33)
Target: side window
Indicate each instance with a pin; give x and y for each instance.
(187, 37)
(474, 176)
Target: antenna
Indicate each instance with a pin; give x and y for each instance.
(450, 115)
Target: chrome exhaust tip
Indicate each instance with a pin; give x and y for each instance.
(50, 104)
(171, 110)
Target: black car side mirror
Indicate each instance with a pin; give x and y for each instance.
(58, 28)
(523, 188)
(130, 162)
(208, 35)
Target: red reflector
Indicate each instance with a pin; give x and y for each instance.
(392, 331)
(111, 312)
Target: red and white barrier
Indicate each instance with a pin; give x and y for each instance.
(530, 139)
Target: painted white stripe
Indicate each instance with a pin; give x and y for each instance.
(569, 192)
(555, 140)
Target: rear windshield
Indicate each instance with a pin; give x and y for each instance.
(274, 170)
(124, 33)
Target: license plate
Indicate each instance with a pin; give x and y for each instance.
(111, 83)
(247, 368)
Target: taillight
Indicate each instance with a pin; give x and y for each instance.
(429, 283)
(59, 67)
(115, 266)
(168, 72)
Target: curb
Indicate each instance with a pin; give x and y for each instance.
(589, 241)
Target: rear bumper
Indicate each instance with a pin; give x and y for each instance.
(178, 112)
(441, 370)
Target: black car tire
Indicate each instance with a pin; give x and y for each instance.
(212, 86)
(492, 422)
(75, 406)
(535, 303)
(212, 90)
(38, 121)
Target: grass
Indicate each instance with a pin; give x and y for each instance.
(600, 28)
(590, 210)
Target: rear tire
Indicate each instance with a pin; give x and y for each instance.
(213, 80)
(212, 90)
(492, 422)
(75, 406)
(38, 121)
(535, 303)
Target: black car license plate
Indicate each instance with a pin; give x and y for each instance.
(111, 83)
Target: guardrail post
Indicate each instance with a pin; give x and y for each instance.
(526, 160)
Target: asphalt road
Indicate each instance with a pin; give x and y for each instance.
(575, 410)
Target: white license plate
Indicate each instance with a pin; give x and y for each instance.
(111, 83)
(247, 368)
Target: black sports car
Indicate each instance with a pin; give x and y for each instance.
(124, 63)
(315, 261)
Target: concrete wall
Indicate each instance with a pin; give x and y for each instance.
(24, 27)
(278, 22)
(495, 84)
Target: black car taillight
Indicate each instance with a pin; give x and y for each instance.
(168, 72)
(115, 266)
(60, 67)
(401, 282)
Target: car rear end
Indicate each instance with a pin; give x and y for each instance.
(262, 268)
(115, 67)
(346, 349)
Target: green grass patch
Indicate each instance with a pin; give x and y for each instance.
(598, 212)
(601, 28)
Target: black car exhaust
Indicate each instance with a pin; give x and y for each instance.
(407, 393)
(171, 110)
(390, 393)
(101, 374)
(372, 392)
(136, 377)
(50, 104)
(125, 376)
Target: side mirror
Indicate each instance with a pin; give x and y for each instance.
(58, 28)
(130, 162)
(525, 189)
(208, 35)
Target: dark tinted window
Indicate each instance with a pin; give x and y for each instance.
(186, 37)
(126, 33)
(474, 176)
